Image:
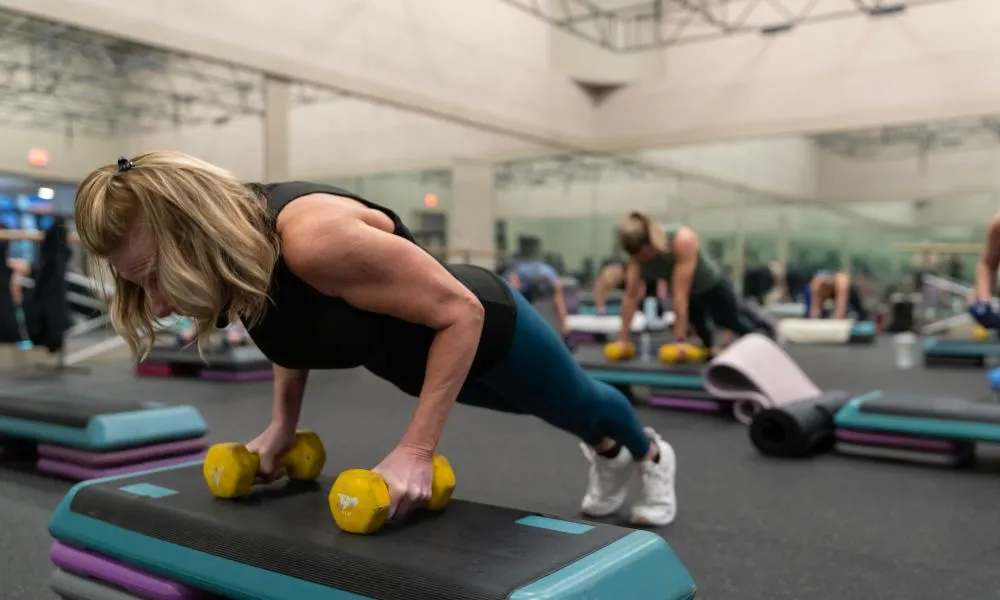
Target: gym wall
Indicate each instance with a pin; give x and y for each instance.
(476, 62)
(930, 62)
(478, 110)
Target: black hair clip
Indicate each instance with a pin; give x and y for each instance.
(124, 164)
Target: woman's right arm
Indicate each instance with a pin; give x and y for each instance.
(630, 299)
(289, 389)
(605, 281)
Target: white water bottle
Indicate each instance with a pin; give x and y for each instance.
(651, 310)
(645, 346)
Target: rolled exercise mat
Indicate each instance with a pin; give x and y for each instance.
(754, 374)
(798, 429)
(116, 574)
(816, 331)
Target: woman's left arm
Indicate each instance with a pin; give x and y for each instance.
(381, 272)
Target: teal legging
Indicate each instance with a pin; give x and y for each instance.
(540, 377)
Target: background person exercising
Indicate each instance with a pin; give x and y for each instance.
(981, 305)
(836, 286)
(324, 279)
(700, 292)
(612, 277)
(538, 280)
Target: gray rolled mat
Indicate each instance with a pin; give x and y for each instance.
(754, 373)
(74, 587)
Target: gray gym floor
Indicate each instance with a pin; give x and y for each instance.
(748, 528)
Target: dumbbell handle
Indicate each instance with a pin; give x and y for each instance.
(281, 461)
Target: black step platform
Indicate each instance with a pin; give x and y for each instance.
(55, 416)
(943, 351)
(240, 363)
(79, 437)
(650, 372)
(282, 544)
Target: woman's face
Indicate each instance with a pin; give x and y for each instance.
(135, 261)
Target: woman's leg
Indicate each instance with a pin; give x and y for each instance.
(725, 310)
(760, 319)
(698, 320)
(854, 303)
(542, 378)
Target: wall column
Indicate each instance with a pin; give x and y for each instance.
(472, 219)
(277, 108)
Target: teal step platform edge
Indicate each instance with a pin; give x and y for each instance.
(960, 348)
(851, 416)
(613, 310)
(863, 329)
(113, 431)
(650, 378)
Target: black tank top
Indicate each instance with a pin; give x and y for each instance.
(303, 328)
(650, 283)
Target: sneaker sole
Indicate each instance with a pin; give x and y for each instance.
(641, 522)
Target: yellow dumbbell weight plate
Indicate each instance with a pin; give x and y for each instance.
(230, 470)
(360, 501)
(614, 351)
(443, 485)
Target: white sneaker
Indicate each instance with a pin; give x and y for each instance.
(608, 482)
(657, 504)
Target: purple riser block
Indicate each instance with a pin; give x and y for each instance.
(153, 370)
(121, 457)
(583, 337)
(82, 473)
(853, 436)
(687, 404)
(110, 571)
(264, 375)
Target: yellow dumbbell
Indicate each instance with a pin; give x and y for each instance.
(681, 353)
(614, 351)
(980, 334)
(360, 502)
(230, 469)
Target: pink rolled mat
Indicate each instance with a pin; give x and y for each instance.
(754, 373)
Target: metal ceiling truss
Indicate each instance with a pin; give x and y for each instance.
(568, 170)
(915, 140)
(649, 24)
(56, 77)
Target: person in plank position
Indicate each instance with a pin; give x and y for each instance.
(836, 286)
(701, 294)
(325, 279)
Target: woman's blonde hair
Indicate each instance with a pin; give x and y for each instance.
(637, 229)
(215, 243)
